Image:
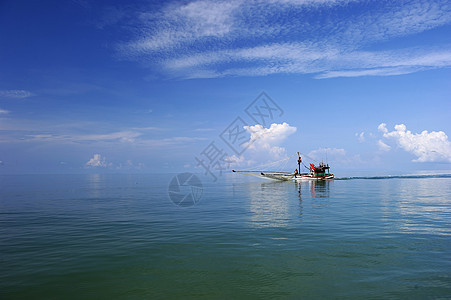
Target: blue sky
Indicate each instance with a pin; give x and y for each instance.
(109, 86)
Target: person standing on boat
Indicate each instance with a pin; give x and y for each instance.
(296, 172)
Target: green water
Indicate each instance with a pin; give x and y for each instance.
(120, 236)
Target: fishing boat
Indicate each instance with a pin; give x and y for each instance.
(319, 172)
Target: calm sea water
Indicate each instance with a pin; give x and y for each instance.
(120, 236)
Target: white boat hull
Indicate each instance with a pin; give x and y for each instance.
(309, 177)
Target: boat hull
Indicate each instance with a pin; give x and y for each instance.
(307, 177)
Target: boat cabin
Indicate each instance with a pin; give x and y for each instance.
(320, 170)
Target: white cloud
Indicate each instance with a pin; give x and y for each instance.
(75, 133)
(128, 165)
(361, 137)
(382, 127)
(426, 146)
(308, 58)
(241, 161)
(179, 24)
(202, 39)
(178, 141)
(98, 161)
(140, 137)
(269, 139)
(372, 72)
(264, 145)
(150, 128)
(120, 136)
(308, 2)
(4, 112)
(383, 146)
(204, 129)
(336, 158)
(123, 136)
(327, 154)
(15, 94)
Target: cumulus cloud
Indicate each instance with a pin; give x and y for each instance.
(264, 145)
(269, 139)
(426, 146)
(4, 112)
(382, 127)
(98, 161)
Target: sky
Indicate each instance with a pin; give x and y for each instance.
(208, 86)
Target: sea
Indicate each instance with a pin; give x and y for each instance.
(186, 236)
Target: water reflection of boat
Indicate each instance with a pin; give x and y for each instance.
(318, 191)
(277, 203)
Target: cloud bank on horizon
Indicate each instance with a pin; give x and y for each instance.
(97, 161)
(328, 38)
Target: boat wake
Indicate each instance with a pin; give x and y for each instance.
(396, 176)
